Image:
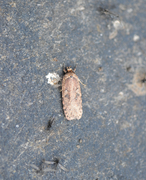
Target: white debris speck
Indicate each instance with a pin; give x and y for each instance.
(135, 38)
(121, 93)
(17, 126)
(53, 78)
(117, 24)
(81, 8)
(129, 10)
(102, 91)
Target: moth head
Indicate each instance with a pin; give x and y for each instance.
(69, 69)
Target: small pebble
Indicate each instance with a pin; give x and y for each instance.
(135, 38)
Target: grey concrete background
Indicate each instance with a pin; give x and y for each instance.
(38, 37)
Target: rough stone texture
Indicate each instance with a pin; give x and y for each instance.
(38, 37)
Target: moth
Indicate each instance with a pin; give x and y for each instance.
(50, 122)
(56, 163)
(71, 95)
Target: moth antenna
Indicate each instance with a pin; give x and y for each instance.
(82, 83)
(62, 167)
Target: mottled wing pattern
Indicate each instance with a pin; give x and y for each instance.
(71, 97)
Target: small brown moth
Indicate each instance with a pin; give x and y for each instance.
(71, 95)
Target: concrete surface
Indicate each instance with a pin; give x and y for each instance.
(38, 37)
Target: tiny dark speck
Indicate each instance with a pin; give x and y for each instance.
(71, 76)
(49, 18)
(143, 80)
(50, 123)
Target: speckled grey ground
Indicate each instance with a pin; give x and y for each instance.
(38, 37)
